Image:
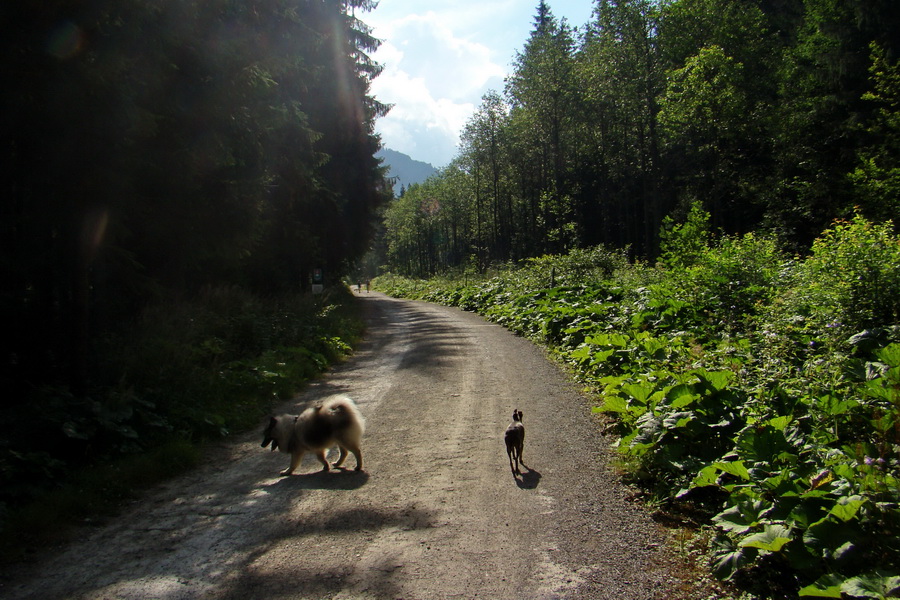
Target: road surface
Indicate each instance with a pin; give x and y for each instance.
(436, 514)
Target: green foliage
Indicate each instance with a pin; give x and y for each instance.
(853, 270)
(171, 178)
(186, 372)
(171, 147)
(703, 99)
(735, 280)
(850, 283)
(680, 244)
(877, 175)
(759, 390)
(823, 80)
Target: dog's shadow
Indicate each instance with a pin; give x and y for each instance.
(529, 479)
(335, 479)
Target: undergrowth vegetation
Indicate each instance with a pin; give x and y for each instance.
(753, 393)
(186, 373)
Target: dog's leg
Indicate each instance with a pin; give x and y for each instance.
(354, 448)
(510, 451)
(320, 454)
(342, 457)
(296, 457)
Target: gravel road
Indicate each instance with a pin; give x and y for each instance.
(436, 514)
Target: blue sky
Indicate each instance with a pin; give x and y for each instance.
(441, 57)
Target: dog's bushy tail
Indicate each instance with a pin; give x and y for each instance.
(343, 413)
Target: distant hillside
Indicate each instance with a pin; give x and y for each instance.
(406, 170)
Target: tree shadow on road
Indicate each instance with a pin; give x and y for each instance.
(337, 575)
(529, 479)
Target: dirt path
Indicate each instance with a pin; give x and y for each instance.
(437, 513)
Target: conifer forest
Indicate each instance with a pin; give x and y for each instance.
(775, 115)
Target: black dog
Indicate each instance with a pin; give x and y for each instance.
(515, 441)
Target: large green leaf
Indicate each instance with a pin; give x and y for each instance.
(581, 353)
(771, 539)
(834, 406)
(601, 356)
(779, 423)
(742, 517)
(846, 508)
(726, 563)
(762, 443)
(709, 475)
(638, 391)
(809, 510)
(614, 404)
(735, 468)
(718, 380)
(828, 586)
(706, 477)
(890, 355)
(682, 396)
(607, 339)
(829, 537)
(878, 585)
(655, 347)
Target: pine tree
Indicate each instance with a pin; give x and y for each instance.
(541, 93)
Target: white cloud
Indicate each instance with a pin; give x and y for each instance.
(425, 127)
(454, 67)
(441, 59)
(434, 79)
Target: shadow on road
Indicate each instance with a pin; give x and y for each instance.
(336, 479)
(529, 479)
(381, 579)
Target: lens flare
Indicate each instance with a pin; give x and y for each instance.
(94, 231)
(66, 41)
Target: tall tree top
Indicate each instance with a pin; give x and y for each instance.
(544, 21)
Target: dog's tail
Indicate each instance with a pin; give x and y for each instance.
(343, 413)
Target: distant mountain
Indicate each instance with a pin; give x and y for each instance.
(406, 170)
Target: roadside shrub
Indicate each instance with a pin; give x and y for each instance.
(188, 370)
(577, 268)
(735, 279)
(853, 275)
(682, 244)
(850, 284)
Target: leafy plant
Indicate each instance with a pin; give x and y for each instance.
(681, 244)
